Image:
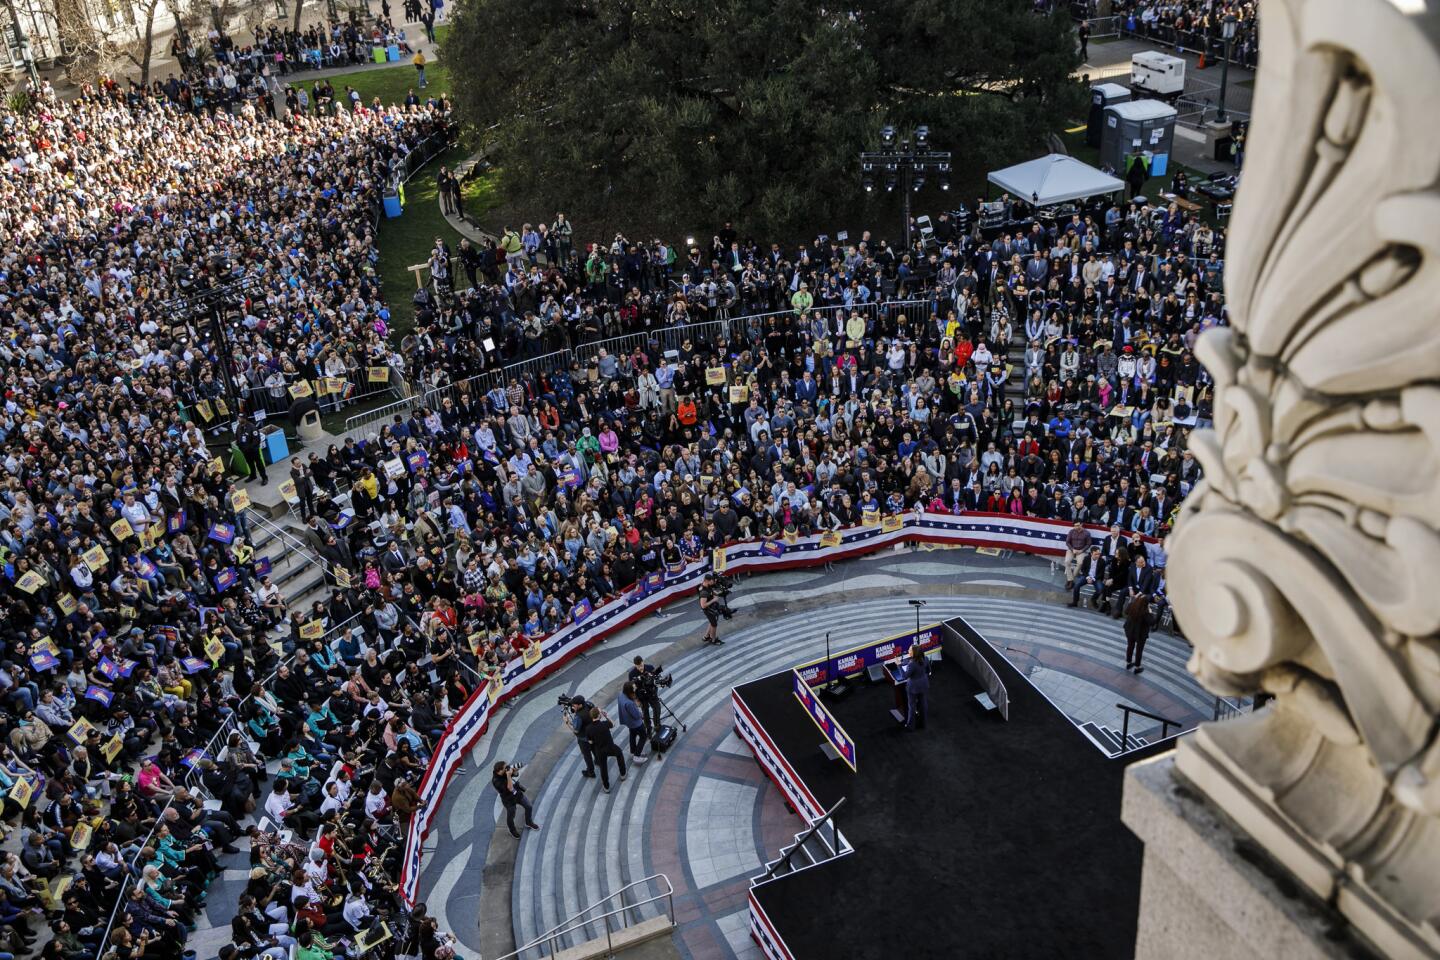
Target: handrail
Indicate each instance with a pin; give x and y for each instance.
(294, 542)
(550, 938)
(820, 821)
(1127, 709)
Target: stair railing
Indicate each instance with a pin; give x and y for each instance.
(614, 919)
(1127, 709)
(827, 817)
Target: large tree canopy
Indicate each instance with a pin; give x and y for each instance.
(751, 110)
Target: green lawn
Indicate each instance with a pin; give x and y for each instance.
(407, 239)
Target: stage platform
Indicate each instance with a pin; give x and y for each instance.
(975, 837)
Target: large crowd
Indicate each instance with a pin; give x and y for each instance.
(1194, 25)
(153, 676)
(138, 622)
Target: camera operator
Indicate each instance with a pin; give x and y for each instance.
(634, 721)
(512, 794)
(711, 603)
(643, 678)
(577, 717)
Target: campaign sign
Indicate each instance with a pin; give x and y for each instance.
(827, 724)
(222, 533)
(43, 661)
(194, 664)
(262, 567)
(192, 758)
(225, 579)
(849, 663)
(99, 694)
(581, 610)
(772, 548)
(417, 460)
(110, 668)
(176, 521)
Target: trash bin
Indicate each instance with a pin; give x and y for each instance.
(309, 427)
(392, 52)
(275, 446)
(377, 54)
(392, 204)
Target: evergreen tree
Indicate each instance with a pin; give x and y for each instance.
(751, 110)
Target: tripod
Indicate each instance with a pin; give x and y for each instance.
(657, 751)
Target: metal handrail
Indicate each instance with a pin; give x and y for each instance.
(1126, 709)
(827, 817)
(550, 938)
(294, 542)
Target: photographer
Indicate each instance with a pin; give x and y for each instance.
(634, 721)
(577, 716)
(643, 677)
(712, 603)
(602, 745)
(512, 794)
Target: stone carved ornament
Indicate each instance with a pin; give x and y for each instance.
(1307, 564)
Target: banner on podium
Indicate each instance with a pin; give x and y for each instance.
(827, 724)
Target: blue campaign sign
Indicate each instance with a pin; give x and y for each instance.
(822, 719)
(849, 663)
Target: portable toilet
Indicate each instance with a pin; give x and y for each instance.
(1140, 126)
(1102, 95)
(1157, 74)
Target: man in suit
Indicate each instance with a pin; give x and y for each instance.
(917, 688)
(1091, 571)
(602, 746)
(1142, 581)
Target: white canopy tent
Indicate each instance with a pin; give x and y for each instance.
(1054, 179)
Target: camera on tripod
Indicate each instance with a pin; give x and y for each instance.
(649, 684)
(717, 589)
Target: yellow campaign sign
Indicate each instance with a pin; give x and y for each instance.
(717, 561)
(80, 729)
(343, 580)
(47, 645)
(830, 538)
(214, 649)
(222, 406)
(287, 489)
(531, 656)
(30, 581)
(377, 374)
(497, 684)
(239, 500)
(300, 388)
(151, 535)
(122, 529)
(892, 523)
(334, 384)
(67, 604)
(127, 613)
(739, 393)
(203, 408)
(80, 836)
(312, 629)
(21, 792)
(715, 376)
(217, 466)
(95, 558)
(112, 748)
(870, 517)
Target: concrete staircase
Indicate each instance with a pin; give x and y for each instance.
(1110, 740)
(294, 566)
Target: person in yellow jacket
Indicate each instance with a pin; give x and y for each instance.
(510, 243)
(419, 61)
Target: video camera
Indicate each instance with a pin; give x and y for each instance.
(567, 705)
(648, 683)
(718, 589)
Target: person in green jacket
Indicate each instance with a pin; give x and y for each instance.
(801, 299)
(596, 268)
(510, 243)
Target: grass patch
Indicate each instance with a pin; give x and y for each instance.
(390, 84)
(407, 239)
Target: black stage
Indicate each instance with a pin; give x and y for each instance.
(973, 838)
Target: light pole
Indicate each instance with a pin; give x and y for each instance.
(22, 44)
(1227, 30)
(904, 163)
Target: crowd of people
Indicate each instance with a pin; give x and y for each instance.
(139, 621)
(1193, 25)
(149, 663)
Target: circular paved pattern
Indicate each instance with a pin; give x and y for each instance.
(706, 816)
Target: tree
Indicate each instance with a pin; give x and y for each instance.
(751, 110)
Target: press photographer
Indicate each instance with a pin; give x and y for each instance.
(576, 714)
(648, 679)
(713, 604)
(512, 794)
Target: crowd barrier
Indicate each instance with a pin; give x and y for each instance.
(1027, 534)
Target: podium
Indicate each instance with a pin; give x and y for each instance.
(895, 670)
